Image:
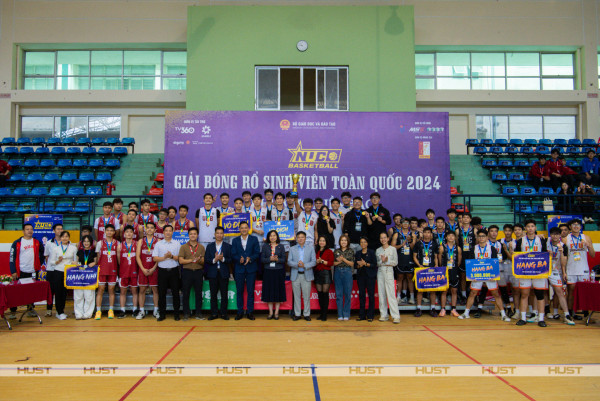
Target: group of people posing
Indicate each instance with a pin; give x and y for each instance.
(136, 250)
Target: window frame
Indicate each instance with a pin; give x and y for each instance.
(54, 116)
(543, 116)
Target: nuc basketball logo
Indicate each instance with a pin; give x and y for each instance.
(314, 158)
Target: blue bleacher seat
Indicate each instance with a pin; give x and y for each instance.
(587, 149)
(58, 191)
(34, 177)
(128, 141)
(516, 142)
(471, 142)
(521, 163)
(50, 177)
(480, 150)
(26, 207)
(525, 209)
(113, 163)
(527, 191)
(16, 177)
(546, 191)
(489, 163)
(527, 150)
(93, 191)
(545, 142)
(510, 191)
(542, 150)
(83, 141)
(560, 142)
(588, 142)
(42, 151)
(86, 177)
(47, 163)
(516, 177)
(38, 191)
(82, 207)
(573, 150)
(24, 141)
(75, 191)
(512, 150)
(79, 163)
(68, 141)
(103, 177)
(64, 207)
(89, 151)
(505, 163)
(15, 162)
(73, 151)
(574, 142)
(4, 191)
(105, 151)
(494, 149)
(530, 142)
(120, 150)
(38, 141)
(31, 163)
(96, 163)
(560, 149)
(26, 150)
(112, 141)
(68, 177)
(7, 208)
(47, 207)
(58, 150)
(486, 142)
(500, 142)
(98, 141)
(8, 141)
(572, 163)
(499, 177)
(53, 141)
(21, 191)
(11, 150)
(63, 163)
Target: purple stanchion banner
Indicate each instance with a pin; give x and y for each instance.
(403, 156)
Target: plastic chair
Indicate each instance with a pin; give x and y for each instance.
(39, 191)
(155, 191)
(530, 142)
(122, 151)
(7, 208)
(89, 151)
(546, 191)
(68, 177)
(128, 141)
(86, 177)
(94, 191)
(83, 141)
(105, 151)
(527, 150)
(39, 141)
(505, 163)
(25, 207)
(574, 142)
(545, 142)
(95, 163)
(80, 163)
(101, 177)
(496, 150)
(68, 141)
(73, 151)
(26, 150)
(98, 141)
(16, 177)
(542, 150)
(8, 141)
(527, 191)
(560, 142)
(572, 163)
(15, 163)
(480, 150)
(64, 163)
(58, 191)
(5, 191)
(516, 177)
(573, 150)
(521, 163)
(82, 207)
(499, 177)
(512, 150)
(113, 163)
(516, 142)
(486, 142)
(58, 151)
(51, 177)
(34, 177)
(64, 207)
(11, 150)
(501, 142)
(510, 191)
(75, 191)
(112, 141)
(21, 191)
(484, 163)
(24, 141)
(588, 142)
(42, 151)
(53, 141)
(471, 142)
(47, 163)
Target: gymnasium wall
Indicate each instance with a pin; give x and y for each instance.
(439, 25)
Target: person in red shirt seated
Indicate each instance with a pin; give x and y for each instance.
(5, 170)
(562, 173)
(540, 173)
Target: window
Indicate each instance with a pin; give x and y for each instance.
(71, 127)
(301, 88)
(105, 69)
(526, 127)
(495, 71)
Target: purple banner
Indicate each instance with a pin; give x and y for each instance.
(403, 156)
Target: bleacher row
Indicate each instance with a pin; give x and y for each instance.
(42, 177)
(529, 146)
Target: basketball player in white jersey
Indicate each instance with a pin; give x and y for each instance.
(346, 203)
(307, 221)
(578, 270)
(279, 213)
(558, 276)
(207, 219)
(258, 216)
(225, 208)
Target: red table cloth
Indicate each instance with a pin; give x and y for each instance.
(587, 296)
(13, 295)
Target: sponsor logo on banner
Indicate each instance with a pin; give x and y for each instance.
(424, 150)
(284, 125)
(314, 158)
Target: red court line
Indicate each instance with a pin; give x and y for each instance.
(155, 365)
(479, 363)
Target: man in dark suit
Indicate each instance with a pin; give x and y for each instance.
(217, 263)
(245, 251)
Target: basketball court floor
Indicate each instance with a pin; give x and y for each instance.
(419, 359)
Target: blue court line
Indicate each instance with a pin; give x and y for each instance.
(315, 383)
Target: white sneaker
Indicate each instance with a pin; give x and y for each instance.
(396, 321)
(516, 316)
(346, 319)
(156, 314)
(425, 300)
(12, 316)
(569, 320)
(48, 313)
(340, 318)
(463, 316)
(505, 318)
(140, 315)
(384, 319)
(404, 300)
(62, 316)
(533, 319)
(411, 301)
(398, 299)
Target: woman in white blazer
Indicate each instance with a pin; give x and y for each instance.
(64, 254)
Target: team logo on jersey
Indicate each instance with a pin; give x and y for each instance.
(314, 158)
(284, 125)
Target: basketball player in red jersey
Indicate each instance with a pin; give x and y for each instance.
(107, 264)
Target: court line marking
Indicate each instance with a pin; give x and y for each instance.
(315, 383)
(141, 380)
(479, 363)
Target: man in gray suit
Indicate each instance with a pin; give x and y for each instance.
(301, 260)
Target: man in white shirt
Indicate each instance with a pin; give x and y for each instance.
(166, 254)
(207, 219)
(58, 229)
(307, 221)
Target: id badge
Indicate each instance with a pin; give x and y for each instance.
(450, 264)
(426, 261)
(272, 264)
(576, 256)
(358, 227)
(500, 258)
(466, 247)
(406, 250)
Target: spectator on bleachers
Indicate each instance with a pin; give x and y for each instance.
(589, 168)
(562, 173)
(585, 204)
(565, 203)
(5, 170)
(540, 173)
(554, 159)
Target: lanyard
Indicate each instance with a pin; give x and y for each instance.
(465, 236)
(481, 252)
(145, 220)
(357, 215)
(128, 248)
(554, 251)
(207, 214)
(451, 252)
(306, 220)
(106, 221)
(182, 226)
(86, 256)
(224, 210)
(269, 210)
(257, 215)
(279, 214)
(578, 240)
(453, 226)
(149, 246)
(531, 244)
(246, 209)
(64, 250)
(337, 216)
(193, 251)
(375, 211)
(426, 249)
(273, 250)
(109, 246)
(441, 236)
(432, 226)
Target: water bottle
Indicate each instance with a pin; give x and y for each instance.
(592, 276)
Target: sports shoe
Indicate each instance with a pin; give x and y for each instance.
(411, 301)
(120, 314)
(134, 313)
(477, 314)
(140, 315)
(32, 313)
(111, 314)
(346, 318)
(396, 321)
(404, 300)
(442, 313)
(521, 322)
(200, 316)
(577, 317)
(532, 319)
(156, 314)
(454, 313)
(463, 316)
(418, 313)
(516, 316)
(98, 315)
(542, 323)
(384, 319)
(505, 318)
(48, 313)
(341, 318)
(62, 316)
(425, 300)
(569, 320)
(556, 317)
(398, 299)
(433, 313)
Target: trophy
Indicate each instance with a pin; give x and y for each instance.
(295, 178)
